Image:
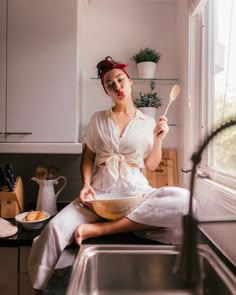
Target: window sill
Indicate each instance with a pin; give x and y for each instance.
(214, 199)
(216, 192)
(221, 179)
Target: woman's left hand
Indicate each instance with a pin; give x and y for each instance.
(86, 192)
(161, 128)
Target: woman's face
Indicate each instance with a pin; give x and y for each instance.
(117, 85)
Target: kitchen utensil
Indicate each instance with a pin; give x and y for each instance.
(52, 172)
(46, 195)
(41, 172)
(173, 95)
(35, 224)
(9, 172)
(114, 206)
(5, 182)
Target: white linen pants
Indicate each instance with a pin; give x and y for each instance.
(162, 207)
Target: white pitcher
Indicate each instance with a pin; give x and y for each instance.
(46, 195)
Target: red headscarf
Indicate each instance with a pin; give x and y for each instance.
(107, 65)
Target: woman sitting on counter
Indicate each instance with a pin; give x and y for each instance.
(119, 142)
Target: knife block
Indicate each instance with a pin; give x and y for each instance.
(12, 203)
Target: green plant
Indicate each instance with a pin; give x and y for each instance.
(146, 54)
(150, 99)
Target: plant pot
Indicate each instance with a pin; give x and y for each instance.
(149, 111)
(147, 69)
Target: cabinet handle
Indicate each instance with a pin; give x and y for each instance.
(18, 133)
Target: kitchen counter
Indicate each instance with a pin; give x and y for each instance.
(60, 277)
(25, 237)
(21, 238)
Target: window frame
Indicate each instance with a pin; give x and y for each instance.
(201, 70)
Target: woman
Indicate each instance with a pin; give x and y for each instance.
(119, 142)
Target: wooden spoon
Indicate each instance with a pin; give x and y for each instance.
(41, 173)
(173, 95)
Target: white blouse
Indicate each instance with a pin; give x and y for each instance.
(134, 144)
(115, 153)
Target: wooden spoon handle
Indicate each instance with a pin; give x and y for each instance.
(167, 108)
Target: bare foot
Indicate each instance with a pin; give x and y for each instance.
(85, 231)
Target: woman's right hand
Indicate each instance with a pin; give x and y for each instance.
(85, 193)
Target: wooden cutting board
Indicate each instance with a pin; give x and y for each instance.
(7, 229)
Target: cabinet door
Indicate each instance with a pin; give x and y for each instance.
(25, 285)
(8, 271)
(9, 284)
(41, 71)
(2, 68)
(24, 281)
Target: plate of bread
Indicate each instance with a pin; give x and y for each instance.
(33, 219)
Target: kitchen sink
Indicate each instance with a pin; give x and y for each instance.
(143, 269)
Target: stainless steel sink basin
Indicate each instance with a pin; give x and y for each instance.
(142, 269)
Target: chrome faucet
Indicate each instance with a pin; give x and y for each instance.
(188, 266)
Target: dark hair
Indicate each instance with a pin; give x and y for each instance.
(107, 65)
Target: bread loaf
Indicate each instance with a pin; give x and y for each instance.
(33, 215)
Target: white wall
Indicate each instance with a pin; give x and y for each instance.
(120, 29)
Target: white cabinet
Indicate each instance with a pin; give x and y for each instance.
(38, 93)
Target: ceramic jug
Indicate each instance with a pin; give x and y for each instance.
(47, 198)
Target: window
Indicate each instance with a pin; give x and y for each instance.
(225, 84)
(213, 84)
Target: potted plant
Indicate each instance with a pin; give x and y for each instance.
(148, 103)
(147, 60)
